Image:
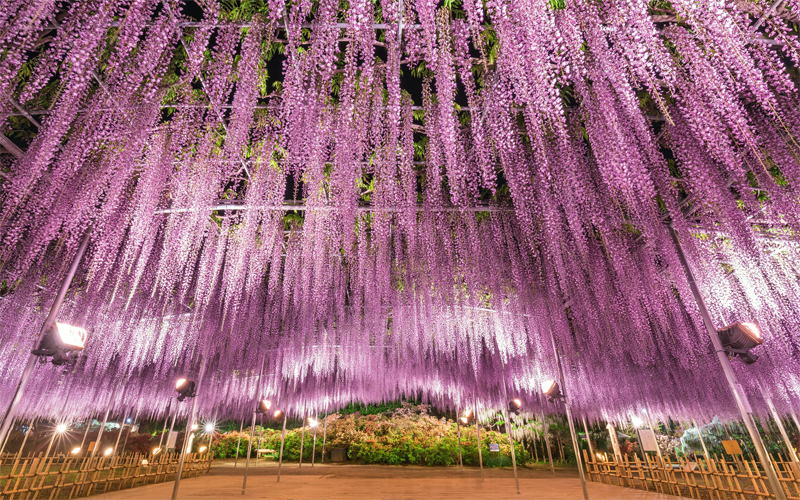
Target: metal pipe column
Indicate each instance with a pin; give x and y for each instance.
(458, 429)
(478, 431)
(510, 439)
(189, 425)
(241, 428)
(48, 323)
(280, 457)
(738, 393)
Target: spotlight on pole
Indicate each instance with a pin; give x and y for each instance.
(515, 406)
(59, 341)
(467, 417)
(75, 451)
(637, 422)
(185, 388)
(264, 406)
(278, 414)
(312, 422)
(61, 428)
(552, 390)
(737, 340)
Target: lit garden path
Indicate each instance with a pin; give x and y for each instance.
(349, 482)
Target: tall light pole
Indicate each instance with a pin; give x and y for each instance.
(189, 427)
(253, 427)
(569, 418)
(48, 323)
(736, 390)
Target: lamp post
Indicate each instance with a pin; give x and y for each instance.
(252, 428)
(478, 431)
(324, 430)
(458, 429)
(569, 417)
(48, 323)
(314, 447)
(302, 441)
(189, 427)
(736, 390)
(236, 460)
(510, 439)
(280, 457)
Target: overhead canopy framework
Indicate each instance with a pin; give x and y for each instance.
(400, 199)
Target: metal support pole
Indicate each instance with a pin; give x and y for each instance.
(241, 428)
(302, 441)
(588, 438)
(49, 447)
(478, 431)
(738, 394)
(702, 441)
(314, 447)
(458, 428)
(105, 420)
(779, 423)
(575, 446)
(252, 431)
(164, 430)
(546, 436)
(48, 323)
(86, 432)
(260, 435)
(171, 427)
(324, 431)
(280, 457)
(510, 439)
(24, 439)
(121, 430)
(6, 441)
(189, 425)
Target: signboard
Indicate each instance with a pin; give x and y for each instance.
(732, 447)
(647, 438)
(171, 439)
(494, 447)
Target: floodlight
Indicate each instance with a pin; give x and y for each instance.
(312, 422)
(552, 390)
(737, 340)
(76, 451)
(264, 406)
(156, 451)
(144, 462)
(278, 414)
(209, 427)
(194, 427)
(515, 406)
(60, 340)
(202, 449)
(637, 422)
(185, 388)
(466, 418)
(108, 451)
(61, 428)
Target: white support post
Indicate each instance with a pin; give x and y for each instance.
(280, 457)
(185, 449)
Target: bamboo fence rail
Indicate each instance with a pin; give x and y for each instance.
(35, 477)
(716, 478)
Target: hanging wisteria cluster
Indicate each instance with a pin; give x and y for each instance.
(400, 199)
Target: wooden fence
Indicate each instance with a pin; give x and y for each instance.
(715, 478)
(34, 477)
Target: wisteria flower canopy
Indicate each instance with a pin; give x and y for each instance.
(323, 202)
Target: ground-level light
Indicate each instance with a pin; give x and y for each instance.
(75, 451)
(156, 451)
(185, 388)
(108, 451)
(202, 449)
(145, 462)
(737, 340)
(60, 340)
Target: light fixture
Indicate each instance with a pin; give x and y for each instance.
(264, 406)
(75, 451)
(466, 418)
(278, 414)
(636, 421)
(185, 388)
(60, 340)
(209, 427)
(156, 451)
(737, 340)
(515, 406)
(312, 422)
(552, 390)
(108, 451)
(61, 428)
(144, 462)
(202, 449)
(194, 427)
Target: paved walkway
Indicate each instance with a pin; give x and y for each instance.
(352, 482)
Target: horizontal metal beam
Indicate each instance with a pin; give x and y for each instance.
(301, 207)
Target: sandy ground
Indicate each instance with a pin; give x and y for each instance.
(349, 482)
